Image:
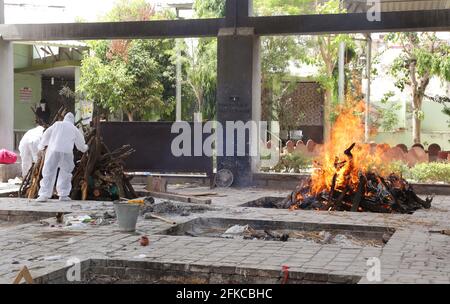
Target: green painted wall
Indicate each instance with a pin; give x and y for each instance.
(23, 55)
(23, 116)
(435, 128)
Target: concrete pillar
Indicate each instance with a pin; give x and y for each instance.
(238, 99)
(2, 11)
(6, 90)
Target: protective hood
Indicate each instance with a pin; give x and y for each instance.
(69, 118)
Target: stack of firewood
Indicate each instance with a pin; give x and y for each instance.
(99, 173)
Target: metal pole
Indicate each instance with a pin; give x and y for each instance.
(178, 76)
(178, 89)
(368, 77)
(341, 84)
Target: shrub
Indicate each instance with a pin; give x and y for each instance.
(431, 172)
(293, 162)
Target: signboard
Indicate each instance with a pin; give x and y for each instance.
(25, 94)
(86, 109)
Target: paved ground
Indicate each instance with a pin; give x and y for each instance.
(412, 255)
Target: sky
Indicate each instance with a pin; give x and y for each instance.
(59, 11)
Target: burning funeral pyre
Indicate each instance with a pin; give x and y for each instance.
(351, 176)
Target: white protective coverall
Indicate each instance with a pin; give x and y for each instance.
(60, 139)
(28, 148)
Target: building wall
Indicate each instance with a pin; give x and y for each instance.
(50, 92)
(435, 126)
(23, 116)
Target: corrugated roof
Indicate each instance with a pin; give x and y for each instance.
(56, 43)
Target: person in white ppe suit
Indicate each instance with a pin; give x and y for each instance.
(60, 139)
(28, 148)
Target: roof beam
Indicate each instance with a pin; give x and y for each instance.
(112, 30)
(433, 20)
(403, 21)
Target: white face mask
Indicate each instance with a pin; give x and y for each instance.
(43, 106)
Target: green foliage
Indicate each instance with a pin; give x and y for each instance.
(130, 10)
(423, 55)
(293, 162)
(431, 172)
(398, 167)
(282, 7)
(388, 113)
(133, 76)
(209, 8)
(103, 83)
(425, 172)
(200, 62)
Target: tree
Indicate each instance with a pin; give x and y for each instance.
(134, 76)
(209, 8)
(321, 50)
(423, 56)
(201, 68)
(199, 58)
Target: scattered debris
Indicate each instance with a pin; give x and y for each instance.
(60, 218)
(154, 216)
(173, 208)
(144, 241)
(178, 197)
(24, 273)
(285, 271)
(77, 221)
(444, 232)
(236, 230)
(53, 258)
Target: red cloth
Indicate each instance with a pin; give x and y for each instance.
(7, 157)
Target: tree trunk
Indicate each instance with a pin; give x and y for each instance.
(130, 116)
(416, 129)
(416, 119)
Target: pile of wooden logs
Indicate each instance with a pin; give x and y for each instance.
(98, 175)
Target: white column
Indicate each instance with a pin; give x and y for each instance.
(6, 90)
(2, 11)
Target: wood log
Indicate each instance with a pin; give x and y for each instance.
(359, 193)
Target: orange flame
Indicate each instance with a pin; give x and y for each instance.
(335, 167)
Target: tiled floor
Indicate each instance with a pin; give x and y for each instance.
(412, 255)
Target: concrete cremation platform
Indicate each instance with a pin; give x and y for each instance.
(9, 172)
(413, 254)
